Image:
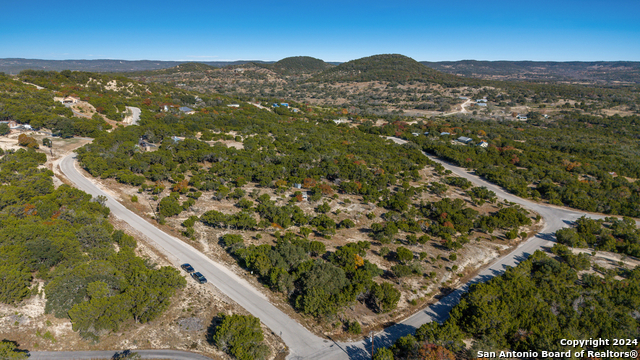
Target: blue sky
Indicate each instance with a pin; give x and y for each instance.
(332, 30)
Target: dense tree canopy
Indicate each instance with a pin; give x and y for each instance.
(63, 237)
(532, 307)
(582, 161)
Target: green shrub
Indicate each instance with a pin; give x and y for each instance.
(354, 327)
(241, 337)
(385, 296)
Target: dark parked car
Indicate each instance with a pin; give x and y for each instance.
(188, 268)
(199, 277)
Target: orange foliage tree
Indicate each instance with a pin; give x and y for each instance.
(308, 183)
(326, 189)
(27, 141)
(181, 186)
(435, 352)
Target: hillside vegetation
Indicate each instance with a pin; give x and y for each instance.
(182, 68)
(531, 308)
(585, 162)
(387, 67)
(300, 64)
(62, 237)
(597, 71)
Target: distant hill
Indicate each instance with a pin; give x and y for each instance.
(388, 67)
(181, 68)
(599, 71)
(14, 66)
(300, 64)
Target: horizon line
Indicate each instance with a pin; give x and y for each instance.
(327, 61)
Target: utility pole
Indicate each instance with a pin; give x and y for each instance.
(371, 344)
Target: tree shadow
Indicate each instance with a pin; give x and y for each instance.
(124, 354)
(546, 236)
(211, 329)
(16, 345)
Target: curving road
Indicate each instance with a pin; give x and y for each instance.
(302, 343)
(134, 117)
(463, 108)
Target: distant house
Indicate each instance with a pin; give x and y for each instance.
(545, 116)
(415, 134)
(481, 100)
(275, 105)
(234, 105)
(16, 126)
(463, 97)
(483, 144)
(426, 133)
(187, 110)
(481, 104)
(70, 100)
(464, 139)
(12, 124)
(444, 133)
(521, 117)
(284, 105)
(175, 139)
(297, 186)
(146, 146)
(295, 110)
(340, 121)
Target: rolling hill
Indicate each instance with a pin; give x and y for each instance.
(599, 71)
(181, 68)
(300, 64)
(15, 65)
(387, 67)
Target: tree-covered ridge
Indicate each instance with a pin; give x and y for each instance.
(25, 104)
(300, 64)
(580, 161)
(109, 94)
(597, 71)
(388, 67)
(61, 236)
(532, 307)
(181, 68)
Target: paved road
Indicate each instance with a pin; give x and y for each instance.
(134, 117)
(299, 340)
(38, 87)
(90, 355)
(78, 114)
(302, 343)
